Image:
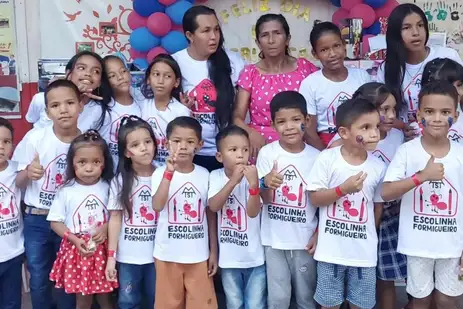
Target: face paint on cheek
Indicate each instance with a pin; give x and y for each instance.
(423, 122)
(359, 139)
(450, 120)
(302, 127)
(381, 119)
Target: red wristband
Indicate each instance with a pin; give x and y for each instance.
(66, 234)
(339, 192)
(254, 191)
(111, 253)
(416, 180)
(168, 175)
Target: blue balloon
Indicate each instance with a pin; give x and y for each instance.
(177, 10)
(191, 1)
(174, 41)
(336, 3)
(376, 4)
(141, 63)
(143, 40)
(147, 7)
(374, 29)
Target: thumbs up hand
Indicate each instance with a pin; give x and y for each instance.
(433, 171)
(353, 184)
(273, 180)
(35, 171)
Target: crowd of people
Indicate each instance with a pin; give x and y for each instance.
(334, 187)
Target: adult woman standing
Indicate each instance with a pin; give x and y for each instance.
(209, 74)
(258, 83)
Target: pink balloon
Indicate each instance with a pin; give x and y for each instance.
(177, 28)
(366, 43)
(159, 24)
(136, 21)
(348, 4)
(154, 52)
(200, 1)
(386, 9)
(365, 12)
(167, 2)
(134, 54)
(339, 15)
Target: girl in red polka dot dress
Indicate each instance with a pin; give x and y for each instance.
(79, 215)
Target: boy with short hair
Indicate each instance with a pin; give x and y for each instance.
(426, 173)
(350, 209)
(41, 166)
(288, 219)
(184, 245)
(234, 195)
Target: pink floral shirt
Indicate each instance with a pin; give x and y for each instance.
(263, 87)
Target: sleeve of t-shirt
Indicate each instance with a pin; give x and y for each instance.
(319, 175)
(398, 166)
(377, 198)
(264, 165)
(156, 180)
(113, 200)
(57, 211)
(245, 78)
(309, 96)
(380, 74)
(215, 184)
(24, 153)
(35, 107)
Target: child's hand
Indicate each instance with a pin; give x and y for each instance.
(86, 91)
(433, 171)
(111, 272)
(312, 245)
(171, 160)
(101, 234)
(212, 264)
(81, 245)
(238, 174)
(250, 172)
(186, 100)
(273, 180)
(35, 171)
(353, 184)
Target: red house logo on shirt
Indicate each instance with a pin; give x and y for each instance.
(333, 107)
(435, 199)
(54, 174)
(161, 140)
(186, 206)
(143, 214)
(234, 215)
(206, 97)
(8, 207)
(114, 129)
(291, 193)
(350, 208)
(411, 93)
(91, 213)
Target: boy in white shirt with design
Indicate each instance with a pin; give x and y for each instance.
(288, 219)
(345, 183)
(426, 173)
(185, 249)
(234, 195)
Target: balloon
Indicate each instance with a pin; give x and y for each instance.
(166, 3)
(147, 7)
(174, 41)
(375, 3)
(386, 9)
(159, 24)
(177, 28)
(339, 15)
(366, 43)
(141, 63)
(374, 29)
(177, 10)
(136, 21)
(154, 52)
(365, 12)
(142, 40)
(336, 3)
(134, 54)
(348, 4)
(198, 1)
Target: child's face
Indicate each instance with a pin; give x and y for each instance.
(162, 79)
(184, 143)
(88, 164)
(118, 76)
(387, 114)
(363, 133)
(459, 86)
(86, 73)
(330, 50)
(413, 33)
(234, 150)
(6, 144)
(290, 124)
(436, 113)
(63, 107)
(140, 147)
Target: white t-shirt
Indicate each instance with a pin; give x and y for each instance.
(456, 131)
(347, 231)
(323, 96)
(11, 222)
(159, 121)
(411, 85)
(290, 210)
(430, 219)
(182, 234)
(81, 208)
(196, 81)
(36, 113)
(90, 116)
(40, 193)
(239, 235)
(136, 240)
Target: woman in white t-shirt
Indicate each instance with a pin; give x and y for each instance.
(132, 224)
(407, 55)
(210, 74)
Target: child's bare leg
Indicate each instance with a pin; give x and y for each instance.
(386, 294)
(83, 301)
(104, 301)
(443, 301)
(422, 303)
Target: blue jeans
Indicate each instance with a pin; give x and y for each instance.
(136, 285)
(41, 245)
(10, 283)
(245, 288)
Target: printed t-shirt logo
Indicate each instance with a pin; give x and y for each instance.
(143, 214)
(291, 193)
(54, 174)
(234, 215)
(333, 107)
(186, 206)
(350, 208)
(436, 199)
(8, 207)
(91, 213)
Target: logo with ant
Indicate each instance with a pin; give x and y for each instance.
(292, 192)
(333, 107)
(436, 199)
(350, 208)
(91, 213)
(161, 139)
(114, 130)
(205, 97)
(8, 208)
(54, 174)
(142, 214)
(233, 215)
(411, 93)
(186, 206)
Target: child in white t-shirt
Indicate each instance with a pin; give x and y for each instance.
(11, 223)
(132, 224)
(327, 89)
(80, 216)
(185, 250)
(426, 173)
(234, 195)
(288, 219)
(163, 92)
(345, 183)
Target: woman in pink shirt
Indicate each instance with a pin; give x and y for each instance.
(258, 83)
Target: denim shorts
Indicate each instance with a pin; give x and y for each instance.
(336, 283)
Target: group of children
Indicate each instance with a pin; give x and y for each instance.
(113, 201)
